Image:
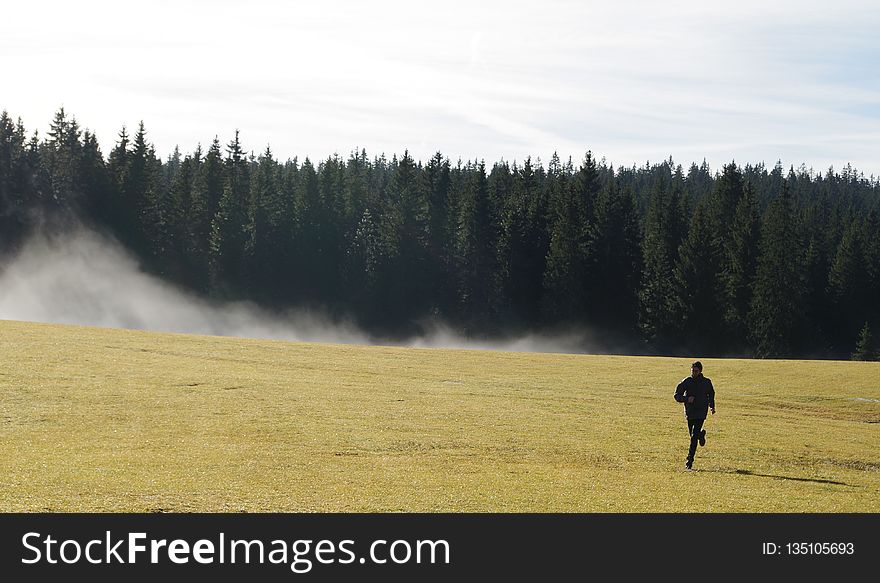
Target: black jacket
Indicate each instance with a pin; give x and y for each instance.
(701, 390)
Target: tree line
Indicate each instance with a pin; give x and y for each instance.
(750, 260)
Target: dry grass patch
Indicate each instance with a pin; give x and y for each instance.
(113, 420)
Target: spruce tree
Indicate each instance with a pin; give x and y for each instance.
(7, 134)
(118, 166)
(525, 243)
(308, 238)
(61, 157)
(725, 199)
(871, 250)
(698, 294)
(228, 228)
(331, 187)
(616, 261)
(564, 273)
(739, 267)
(17, 191)
(500, 186)
(207, 188)
(474, 251)
(819, 255)
(658, 311)
(563, 277)
(568, 289)
(848, 284)
(259, 239)
(585, 186)
(866, 348)
(139, 174)
(777, 313)
(406, 233)
(699, 182)
(93, 177)
(157, 220)
(181, 201)
(436, 182)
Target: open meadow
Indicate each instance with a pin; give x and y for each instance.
(115, 420)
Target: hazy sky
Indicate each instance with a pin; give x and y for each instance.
(633, 81)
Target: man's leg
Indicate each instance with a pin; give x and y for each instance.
(694, 427)
(690, 459)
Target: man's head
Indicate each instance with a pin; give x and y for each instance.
(696, 369)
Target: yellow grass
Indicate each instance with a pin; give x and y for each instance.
(112, 420)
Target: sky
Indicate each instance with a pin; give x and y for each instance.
(754, 81)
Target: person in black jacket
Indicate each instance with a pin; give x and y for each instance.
(698, 396)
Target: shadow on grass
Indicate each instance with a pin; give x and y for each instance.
(777, 477)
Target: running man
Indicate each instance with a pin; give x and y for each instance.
(698, 396)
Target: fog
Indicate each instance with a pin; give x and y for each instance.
(80, 277)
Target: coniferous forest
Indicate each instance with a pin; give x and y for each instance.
(747, 260)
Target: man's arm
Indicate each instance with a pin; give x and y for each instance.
(679, 391)
(711, 393)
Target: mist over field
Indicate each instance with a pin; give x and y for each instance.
(81, 277)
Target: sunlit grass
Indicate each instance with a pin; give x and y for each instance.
(111, 420)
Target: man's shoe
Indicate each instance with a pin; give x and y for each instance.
(688, 464)
(703, 437)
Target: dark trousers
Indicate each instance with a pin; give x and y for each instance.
(694, 428)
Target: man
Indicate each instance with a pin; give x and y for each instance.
(698, 396)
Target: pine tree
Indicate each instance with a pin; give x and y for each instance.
(475, 240)
(698, 293)
(122, 211)
(777, 313)
(132, 167)
(365, 255)
(61, 157)
(12, 159)
(564, 277)
(309, 247)
(405, 234)
(699, 182)
(436, 182)
(331, 217)
(207, 188)
(500, 187)
(524, 244)
(356, 189)
(819, 255)
(866, 348)
(228, 234)
(7, 136)
(180, 192)
(724, 202)
(94, 179)
(16, 190)
(157, 217)
(568, 292)
(267, 246)
(740, 266)
(616, 261)
(586, 185)
(139, 175)
(871, 249)
(658, 309)
(848, 284)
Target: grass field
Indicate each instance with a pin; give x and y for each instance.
(113, 420)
